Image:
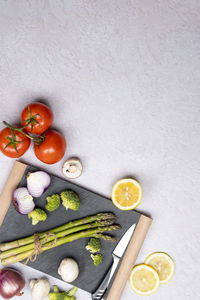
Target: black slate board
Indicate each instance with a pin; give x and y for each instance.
(17, 226)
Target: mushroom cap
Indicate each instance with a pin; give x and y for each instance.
(72, 168)
(68, 269)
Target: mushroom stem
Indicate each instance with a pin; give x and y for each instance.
(72, 168)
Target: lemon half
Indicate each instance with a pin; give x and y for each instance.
(126, 194)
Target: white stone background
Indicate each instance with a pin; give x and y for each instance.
(122, 78)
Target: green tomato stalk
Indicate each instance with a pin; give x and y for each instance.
(12, 141)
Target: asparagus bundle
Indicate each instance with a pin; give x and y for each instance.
(92, 226)
(86, 220)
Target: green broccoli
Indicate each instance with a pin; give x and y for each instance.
(53, 202)
(56, 295)
(70, 200)
(94, 245)
(37, 215)
(97, 259)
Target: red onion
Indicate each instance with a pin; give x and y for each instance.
(37, 183)
(11, 283)
(23, 201)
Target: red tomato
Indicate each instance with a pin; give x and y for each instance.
(52, 149)
(7, 142)
(39, 115)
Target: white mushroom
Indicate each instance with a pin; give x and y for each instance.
(40, 288)
(72, 168)
(68, 269)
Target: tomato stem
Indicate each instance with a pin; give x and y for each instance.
(37, 140)
(18, 129)
(31, 120)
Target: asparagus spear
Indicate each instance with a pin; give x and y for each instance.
(63, 233)
(105, 237)
(82, 221)
(60, 241)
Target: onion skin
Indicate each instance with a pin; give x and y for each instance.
(37, 183)
(11, 283)
(17, 199)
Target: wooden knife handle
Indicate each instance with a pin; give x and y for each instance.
(129, 258)
(12, 182)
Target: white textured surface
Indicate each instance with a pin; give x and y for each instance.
(123, 80)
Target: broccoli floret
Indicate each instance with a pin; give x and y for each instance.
(72, 292)
(37, 215)
(94, 245)
(53, 202)
(97, 259)
(70, 200)
(56, 295)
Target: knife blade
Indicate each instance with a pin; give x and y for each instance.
(117, 254)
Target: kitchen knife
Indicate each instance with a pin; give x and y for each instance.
(117, 254)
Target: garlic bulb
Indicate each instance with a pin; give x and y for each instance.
(40, 288)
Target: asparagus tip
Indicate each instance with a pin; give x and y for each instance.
(108, 228)
(106, 216)
(106, 237)
(107, 222)
(114, 227)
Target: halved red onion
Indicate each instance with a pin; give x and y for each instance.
(23, 201)
(37, 183)
(11, 283)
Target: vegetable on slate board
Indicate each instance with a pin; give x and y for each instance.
(92, 226)
(72, 168)
(94, 245)
(70, 200)
(37, 215)
(68, 269)
(101, 219)
(51, 148)
(40, 288)
(11, 283)
(53, 202)
(13, 143)
(37, 117)
(56, 295)
(97, 259)
(37, 183)
(23, 201)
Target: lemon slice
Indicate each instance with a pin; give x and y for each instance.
(163, 264)
(126, 194)
(144, 280)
